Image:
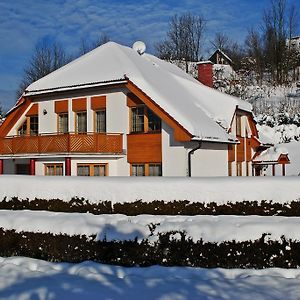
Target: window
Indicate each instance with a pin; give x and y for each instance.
(101, 120)
(154, 121)
(22, 169)
(34, 125)
(152, 169)
(63, 123)
(54, 169)
(81, 122)
(30, 126)
(91, 169)
(144, 120)
(22, 130)
(138, 170)
(99, 170)
(238, 125)
(137, 119)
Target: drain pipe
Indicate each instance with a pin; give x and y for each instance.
(190, 157)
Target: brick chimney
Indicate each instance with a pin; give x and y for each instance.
(205, 72)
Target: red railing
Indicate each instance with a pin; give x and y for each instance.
(63, 143)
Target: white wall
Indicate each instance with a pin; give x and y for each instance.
(48, 121)
(210, 160)
(174, 155)
(116, 167)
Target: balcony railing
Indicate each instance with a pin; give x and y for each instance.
(63, 143)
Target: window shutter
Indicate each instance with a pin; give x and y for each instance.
(61, 106)
(79, 104)
(98, 102)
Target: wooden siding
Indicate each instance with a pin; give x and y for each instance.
(61, 106)
(133, 100)
(248, 149)
(33, 111)
(144, 148)
(240, 150)
(79, 104)
(283, 159)
(98, 102)
(63, 143)
(231, 153)
(13, 117)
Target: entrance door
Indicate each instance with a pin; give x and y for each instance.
(22, 169)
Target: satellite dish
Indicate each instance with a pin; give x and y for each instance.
(139, 47)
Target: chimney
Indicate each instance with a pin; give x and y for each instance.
(205, 72)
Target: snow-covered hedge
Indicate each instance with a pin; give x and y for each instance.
(184, 207)
(260, 253)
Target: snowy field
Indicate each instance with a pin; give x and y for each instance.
(121, 227)
(129, 189)
(26, 278)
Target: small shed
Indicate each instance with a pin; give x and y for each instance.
(270, 157)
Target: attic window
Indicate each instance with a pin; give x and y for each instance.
(144, 120)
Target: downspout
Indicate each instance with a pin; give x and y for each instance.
(190, 157)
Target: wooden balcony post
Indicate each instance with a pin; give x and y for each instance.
(67, 166)
(32, 166)
(273, 170)
(1, 166)
(283, 169)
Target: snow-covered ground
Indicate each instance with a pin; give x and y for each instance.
(121, 227)
(129, 189)
(26, 278)
(294, 155)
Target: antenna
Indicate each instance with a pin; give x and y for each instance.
(139, 47)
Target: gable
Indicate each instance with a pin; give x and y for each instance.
(13, 116)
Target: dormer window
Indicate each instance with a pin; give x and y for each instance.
(30, 126)
(144, 120)
(137, 114)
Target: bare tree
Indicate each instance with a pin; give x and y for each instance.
(254, 60)
(87, 46)
(221, 41)
(269, 49)
(45, 59)
(184, 39)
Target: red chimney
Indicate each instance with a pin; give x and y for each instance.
(205, 73)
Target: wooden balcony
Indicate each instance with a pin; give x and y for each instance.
(63, 143)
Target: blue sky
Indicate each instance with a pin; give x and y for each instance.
(23, 23)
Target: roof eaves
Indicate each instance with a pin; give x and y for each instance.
(76, 86)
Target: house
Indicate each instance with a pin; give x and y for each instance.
(116, 111)
(220, 58)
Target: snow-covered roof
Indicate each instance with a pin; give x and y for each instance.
(271, 155)
(201, 110)
(223, 53)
